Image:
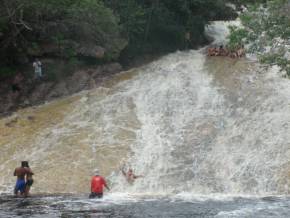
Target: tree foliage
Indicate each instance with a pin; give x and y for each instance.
(154, 25)
(34, 27)
(62, 27)
(266, 31)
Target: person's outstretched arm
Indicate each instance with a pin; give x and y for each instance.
(139, 176)
(105, 184)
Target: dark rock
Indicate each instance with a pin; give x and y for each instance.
(96, 73)
(34, 92)
(50, 48)
(112, 68)
(79, 81)
(40, 92)
(58, 90)
(22, 59)
(12, 122)
(31, 118)
(92, 84)
(93, 51)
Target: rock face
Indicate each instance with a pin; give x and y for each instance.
(36, 92)
(53, 49)
(58, 90)
(93, 51)
(40, 92)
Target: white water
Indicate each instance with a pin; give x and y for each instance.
(201, 138)
(172, 98)
(190, 124)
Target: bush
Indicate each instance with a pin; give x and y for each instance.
(65, 25)
(266, 30)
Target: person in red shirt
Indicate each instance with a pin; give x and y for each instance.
(97, 185)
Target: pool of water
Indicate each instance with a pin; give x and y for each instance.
(125, 205)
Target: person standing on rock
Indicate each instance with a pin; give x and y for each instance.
(37, 69)
(97, 185)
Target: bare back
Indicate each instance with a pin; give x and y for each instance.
(20, 172)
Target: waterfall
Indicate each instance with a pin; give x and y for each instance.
(178, 109)
(187, 122)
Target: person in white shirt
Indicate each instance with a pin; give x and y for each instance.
(37, 68)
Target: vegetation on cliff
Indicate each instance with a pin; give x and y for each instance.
(266, 33)
(102, 29)
(62, 28)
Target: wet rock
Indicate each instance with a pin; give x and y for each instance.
(79, 81)
(96, 73)
(30, 118)
(112, 68)
(58, 90)
(40, 92)
(12, 122)
(35, 92)
(92, 84)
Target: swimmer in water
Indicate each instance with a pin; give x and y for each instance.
(130, 176)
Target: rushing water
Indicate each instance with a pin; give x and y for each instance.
(192, 125)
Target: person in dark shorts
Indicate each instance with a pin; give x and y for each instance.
(97, 185)
(29, 179)
(20, 172)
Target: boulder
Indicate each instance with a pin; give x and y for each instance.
(58, 90)
(93, 51)
(78, 81)
(112, 68)
(40, 92)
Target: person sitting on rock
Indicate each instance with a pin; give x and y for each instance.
(241, 52)
(212, 51)
(222, 51)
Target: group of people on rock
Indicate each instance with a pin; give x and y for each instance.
(98, 183)
(221, 51)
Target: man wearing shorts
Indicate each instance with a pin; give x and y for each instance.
(20, 172)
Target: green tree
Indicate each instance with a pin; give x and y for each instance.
(26, 25)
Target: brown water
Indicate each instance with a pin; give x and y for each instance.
(58, 146)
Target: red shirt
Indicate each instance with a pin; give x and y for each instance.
(97, 184)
